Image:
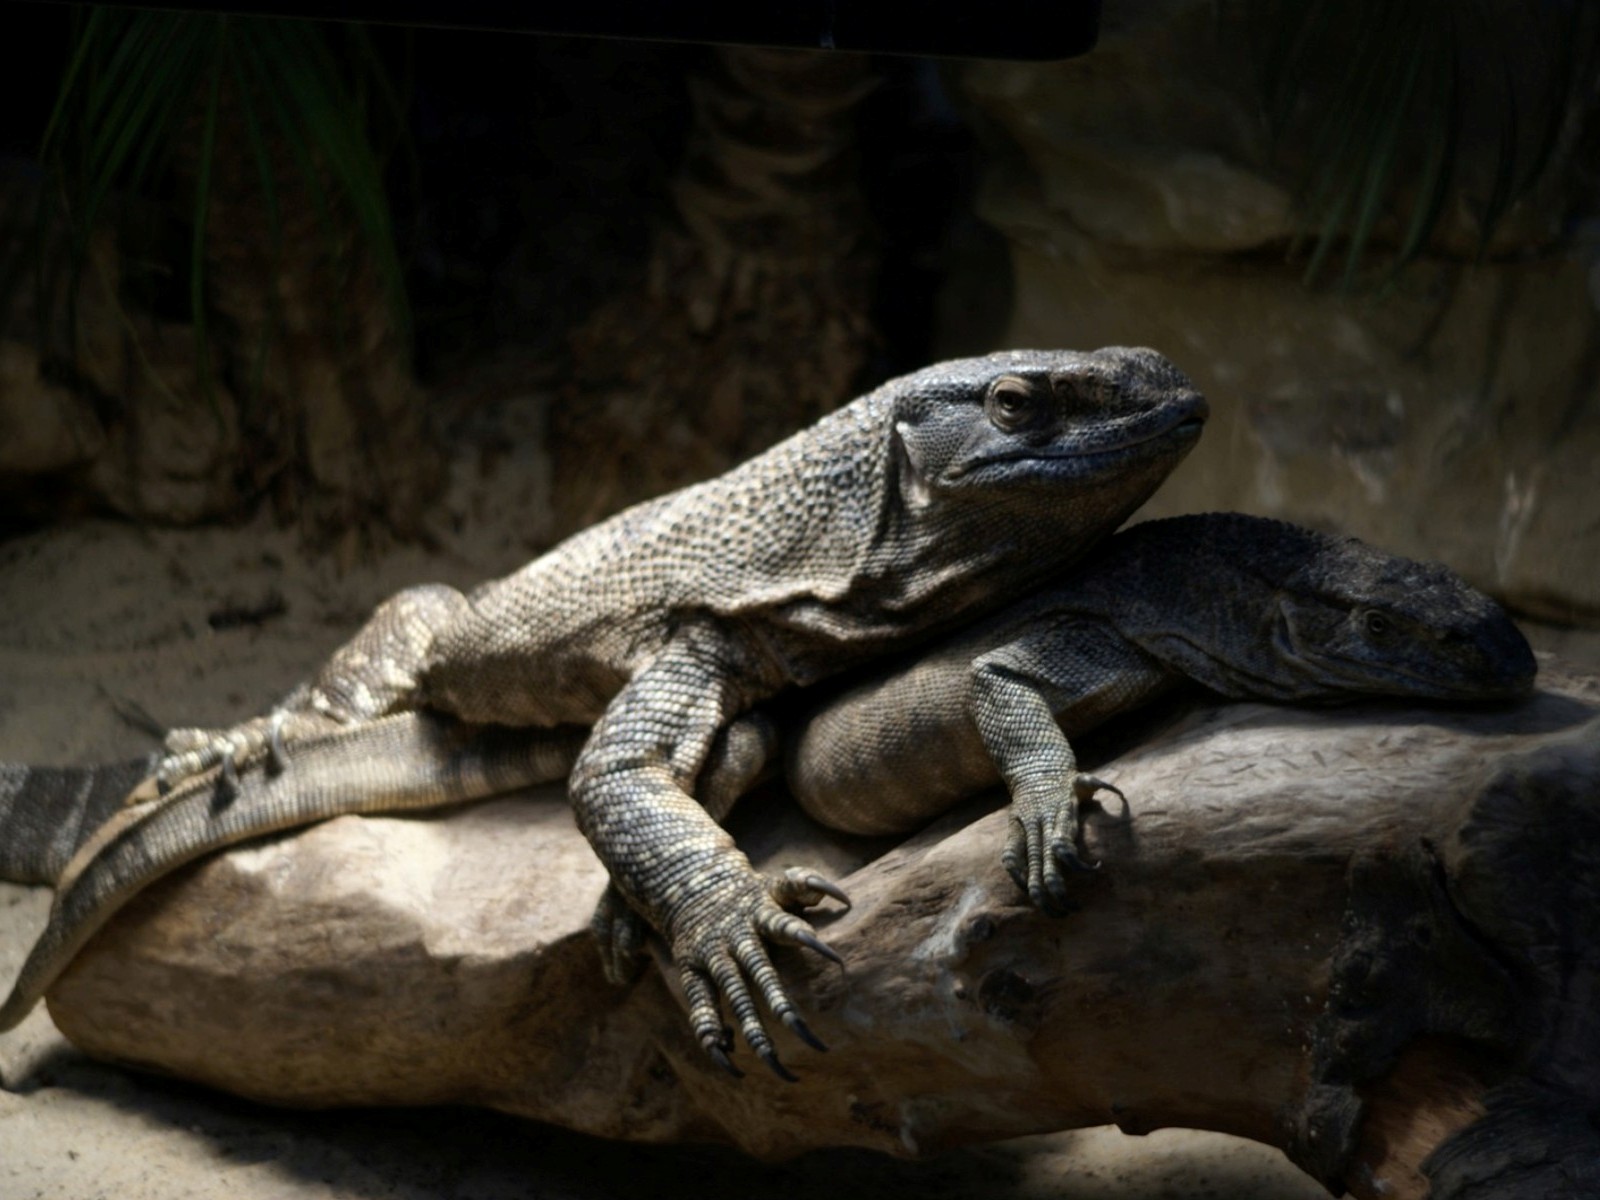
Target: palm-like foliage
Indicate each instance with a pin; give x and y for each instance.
(1390, 111)
(147, 95)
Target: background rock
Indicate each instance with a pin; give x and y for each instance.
(1453, 416)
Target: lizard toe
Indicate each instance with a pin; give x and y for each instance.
(785, 927)
(720, 940)
(704, 1019)
(1014, 858)
(728, 976)
(260, 740)
(277, 752)
(1042, 845)
(757, 966)
(1038, 890)
(799, 887)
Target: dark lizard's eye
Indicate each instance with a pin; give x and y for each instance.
(1376, 624)
(1012, 404)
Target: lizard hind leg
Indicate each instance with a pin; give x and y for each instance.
(378, 671)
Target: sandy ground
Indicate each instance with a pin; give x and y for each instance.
(106, 629)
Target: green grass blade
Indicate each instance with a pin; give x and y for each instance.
(1380, 163)
(1438, 172)
(311, 83)
(82, 49)
(1340, 149)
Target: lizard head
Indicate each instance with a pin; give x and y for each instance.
(1390, 625)
(1016, 422)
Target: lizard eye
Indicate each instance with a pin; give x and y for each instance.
(1012, 404)
(1376, 624)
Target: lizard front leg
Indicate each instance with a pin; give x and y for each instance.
(1071, 674)
(742, 755)
(673, 863)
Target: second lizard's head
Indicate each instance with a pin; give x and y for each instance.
(1355, 616)
(1024, 422)
(1257, 608)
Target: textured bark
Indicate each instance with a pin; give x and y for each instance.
(1365, 936)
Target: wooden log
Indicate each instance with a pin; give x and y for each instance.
(1367, 936)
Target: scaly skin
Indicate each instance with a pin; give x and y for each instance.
(46, 813)
(1246, 607)
(1284, 614)
(935, 497)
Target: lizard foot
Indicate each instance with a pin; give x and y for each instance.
(717, 942)
(1043, 843)
(192, 752)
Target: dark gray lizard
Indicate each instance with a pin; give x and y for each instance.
(937, 496)
(1246, 607)
(1278, 613)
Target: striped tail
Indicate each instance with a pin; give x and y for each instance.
(46, 813)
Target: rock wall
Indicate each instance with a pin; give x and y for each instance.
(1451, 416)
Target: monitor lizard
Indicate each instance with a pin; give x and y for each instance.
(939, 495)
(1243, 606)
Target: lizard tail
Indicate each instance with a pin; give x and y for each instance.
(47, 812)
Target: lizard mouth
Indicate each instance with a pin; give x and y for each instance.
(1482, 682)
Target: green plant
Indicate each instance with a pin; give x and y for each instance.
(1387, 111)
(149, 99)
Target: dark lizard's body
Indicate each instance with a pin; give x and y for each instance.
(1246, 607)
(1281, 614)
(938, 496)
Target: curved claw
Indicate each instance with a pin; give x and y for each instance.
(770, 1057)
(1041, 846)
(720, 943)
(798, 887)
(802, 1031)
(720, 1057)
(829, 889)
(229, 780)
(1073, 861)
(277, 753)
(812, 942)
(1085, 786)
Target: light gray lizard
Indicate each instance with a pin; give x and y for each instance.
(1278, 613)
(939, 495)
